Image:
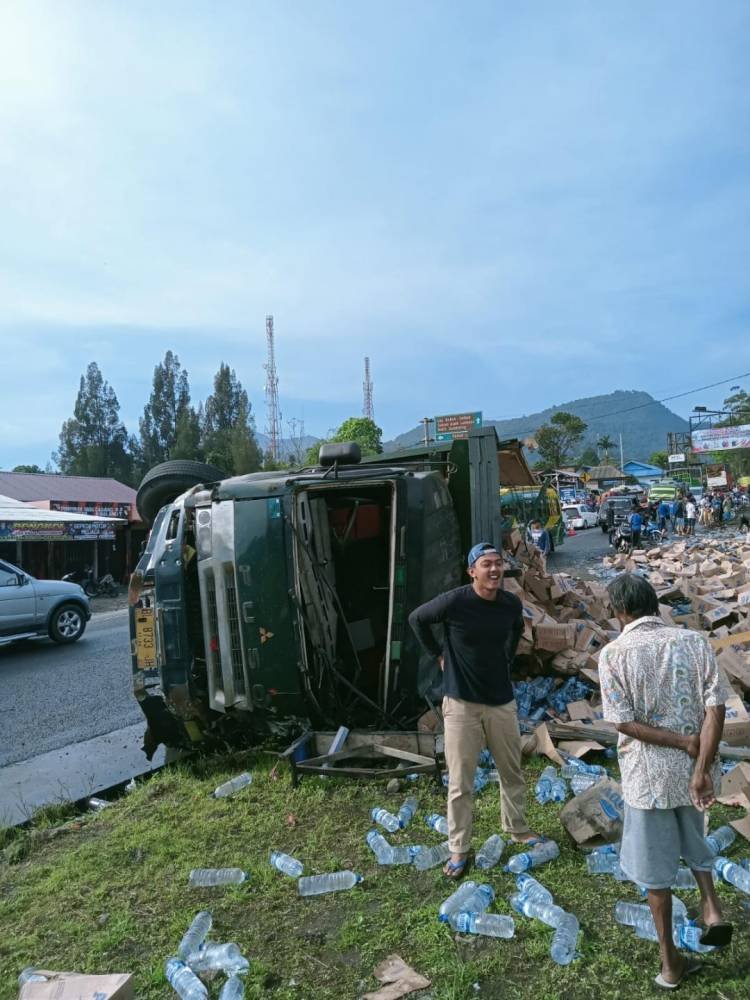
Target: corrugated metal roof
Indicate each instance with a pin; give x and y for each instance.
(600, 472)
(25, 486)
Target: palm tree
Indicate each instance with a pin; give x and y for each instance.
(604, 443)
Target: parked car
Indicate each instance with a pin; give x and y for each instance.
(578, 516)
(31, 608)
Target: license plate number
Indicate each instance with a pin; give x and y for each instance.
(145, 640)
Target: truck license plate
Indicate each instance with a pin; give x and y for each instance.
(145, 644)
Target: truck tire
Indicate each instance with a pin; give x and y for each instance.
(168, 480)
(67, 623)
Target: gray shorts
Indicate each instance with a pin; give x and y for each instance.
(654, 840)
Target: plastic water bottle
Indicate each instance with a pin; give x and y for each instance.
(385, 819)
(548, 913)
(480, 900)
(203, 877)
(30, 975)
(480, 780)
(437, 823)
(721, 839)
(405, 854)
(230, 787)
(733, 874)
(563, 947)
(454, 902)
(195, 935)
(529, 887)
(684, 935)
(428, 857)
(684, 880)
(605, 864)
(688, 936)
(315, 885)
(496, 925)
(485, 758)
(582, 782)
(226, 957)
(635, 914)
(380, 847)
(407, 810)
(543, 790)
(745, 863)
(559, 789)
(606, 849)
(233, 989)
(575, 766)
(287, 864)
(538, 855)
(184, 981)
(490, 852)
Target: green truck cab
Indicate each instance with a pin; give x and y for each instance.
(279, 599)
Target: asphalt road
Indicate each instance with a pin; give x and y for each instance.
(51, 696)
(580, 553)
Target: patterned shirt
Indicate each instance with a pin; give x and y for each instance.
(664, 677)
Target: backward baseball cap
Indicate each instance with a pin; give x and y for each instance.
(481, 549)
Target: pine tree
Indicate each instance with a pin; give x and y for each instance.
(169, 399)
(229, 426)
(94, 441)
(187, 442)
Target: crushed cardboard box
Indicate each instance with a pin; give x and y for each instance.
(76, 986)
(595, 816)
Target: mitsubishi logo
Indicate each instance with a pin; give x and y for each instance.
(265, 635)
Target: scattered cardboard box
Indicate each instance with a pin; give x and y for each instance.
(75, 986)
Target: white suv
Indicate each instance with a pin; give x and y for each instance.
(577, 517)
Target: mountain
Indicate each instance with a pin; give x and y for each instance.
(642, 421)
(288, 447)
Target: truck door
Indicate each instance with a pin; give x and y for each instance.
(486, 522)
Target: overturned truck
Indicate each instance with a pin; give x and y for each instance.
(274, 600)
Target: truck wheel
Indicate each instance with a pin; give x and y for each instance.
(168, 480)
(67, 623)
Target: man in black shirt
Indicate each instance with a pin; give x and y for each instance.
(482, 624)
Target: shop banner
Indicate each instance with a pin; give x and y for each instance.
(721, 438)
(120, 510)
(38, 531)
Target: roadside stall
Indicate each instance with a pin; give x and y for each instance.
(48, 543)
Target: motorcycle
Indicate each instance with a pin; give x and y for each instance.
(84, 577)
(621, 537)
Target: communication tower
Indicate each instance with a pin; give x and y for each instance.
(367, 408)
(273, 428)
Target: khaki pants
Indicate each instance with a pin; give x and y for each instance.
(468, 727)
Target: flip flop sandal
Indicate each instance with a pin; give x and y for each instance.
(719, 934)
(693, 966)
(457, 869)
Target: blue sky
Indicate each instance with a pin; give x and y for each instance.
(505, 206)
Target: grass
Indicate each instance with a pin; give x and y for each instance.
(108, 892)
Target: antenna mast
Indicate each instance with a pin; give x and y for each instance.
(272, 396)
(367, 408)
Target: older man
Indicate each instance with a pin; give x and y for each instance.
(662, 689)
(482, 624)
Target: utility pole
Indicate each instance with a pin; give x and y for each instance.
(622, 459)
(367, 408)
(273, 413)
